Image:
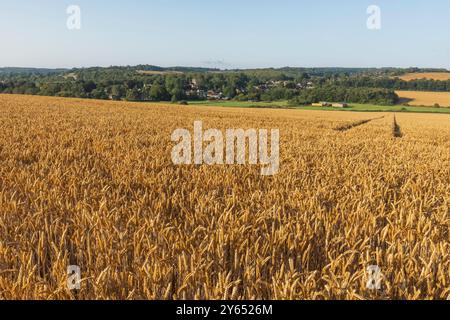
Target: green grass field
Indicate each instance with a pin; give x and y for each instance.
(241, 104)
(353, 107)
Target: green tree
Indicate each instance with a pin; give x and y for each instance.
(178, 95)
(229, 91)
(157, 93)
(133, 95)
(117, 92)
(99, 93)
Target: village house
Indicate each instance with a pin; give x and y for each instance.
(308, 85)
(214, 95)
(200, 94)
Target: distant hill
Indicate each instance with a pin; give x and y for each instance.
(26, 71)
(148, 69)
(267, 72)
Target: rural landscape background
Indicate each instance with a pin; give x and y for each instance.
(364, 88)
(89, 191)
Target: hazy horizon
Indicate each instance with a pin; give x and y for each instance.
(221, 69)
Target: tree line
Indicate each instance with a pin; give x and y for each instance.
(392, 83)
(158, 87)
(151, 83)
(331, 93)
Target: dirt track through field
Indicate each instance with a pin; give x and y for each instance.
(352, 125)
(396, 130)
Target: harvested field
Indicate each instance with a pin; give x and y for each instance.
(91, 183)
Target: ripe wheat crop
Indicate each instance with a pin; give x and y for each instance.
(438, 76)
(92, 184)
(423, 98)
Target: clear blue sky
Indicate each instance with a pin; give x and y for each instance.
(225, 33)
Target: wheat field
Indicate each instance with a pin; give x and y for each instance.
(91, 183)
(425, 98)
(440, 76)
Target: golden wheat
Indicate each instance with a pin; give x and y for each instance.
(91, 183)
(440, 76)
(425, 98)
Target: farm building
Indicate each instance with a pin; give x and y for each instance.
(340, 105)
(322, 104)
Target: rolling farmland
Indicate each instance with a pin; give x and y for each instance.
(91, 183)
